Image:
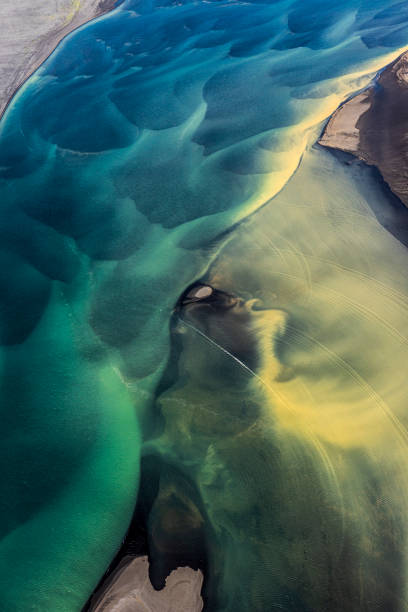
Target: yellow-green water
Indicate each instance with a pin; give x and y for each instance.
(302, 464)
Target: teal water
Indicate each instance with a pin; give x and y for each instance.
(123, 160)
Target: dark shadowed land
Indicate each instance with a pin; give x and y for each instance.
(31, 29)
(373, 126)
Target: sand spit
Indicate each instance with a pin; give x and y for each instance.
(31, 29)
(129, 590)
(373, 126)
(341, 132)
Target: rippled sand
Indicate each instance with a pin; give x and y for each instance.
(333, 391)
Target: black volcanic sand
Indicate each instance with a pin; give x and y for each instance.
(383, 127)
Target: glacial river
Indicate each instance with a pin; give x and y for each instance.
(132, 164)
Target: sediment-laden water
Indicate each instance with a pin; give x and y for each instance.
(124, 161)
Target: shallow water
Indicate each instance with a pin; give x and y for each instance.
(123, 160)
(302, 466)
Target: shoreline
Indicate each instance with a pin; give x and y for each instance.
(33, 49)
(373, 126)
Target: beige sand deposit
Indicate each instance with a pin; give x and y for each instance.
(130, 590)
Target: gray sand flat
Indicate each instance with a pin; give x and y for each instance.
(130, 590)
(31, 29)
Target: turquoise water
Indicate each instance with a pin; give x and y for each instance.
(123, 160)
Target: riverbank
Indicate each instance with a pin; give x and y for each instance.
(31, 31)
(373, 126)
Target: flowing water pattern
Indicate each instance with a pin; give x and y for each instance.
(126, 162)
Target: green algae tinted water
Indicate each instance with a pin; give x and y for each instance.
(123, 160)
